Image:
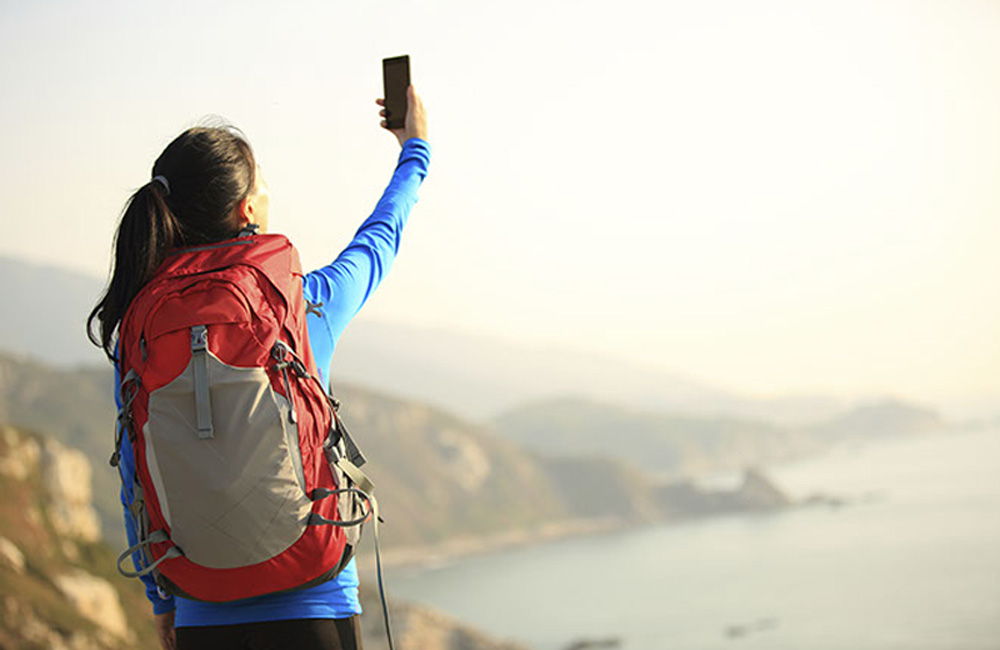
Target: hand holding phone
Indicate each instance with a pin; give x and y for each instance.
(402, 108)
(395, 81)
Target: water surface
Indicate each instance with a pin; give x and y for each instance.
(912, 563)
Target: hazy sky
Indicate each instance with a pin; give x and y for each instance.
(774, 196)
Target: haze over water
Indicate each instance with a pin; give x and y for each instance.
(913, 563)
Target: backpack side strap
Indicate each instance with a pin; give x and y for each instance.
(154, 538)
(316, 519)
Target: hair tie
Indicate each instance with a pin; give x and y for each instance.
(162, 181)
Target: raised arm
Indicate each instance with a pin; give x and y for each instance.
(344, 286)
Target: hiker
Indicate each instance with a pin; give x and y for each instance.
(207, 192)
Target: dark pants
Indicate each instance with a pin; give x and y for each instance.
(298, 634)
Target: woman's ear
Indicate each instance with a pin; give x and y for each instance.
(255, 205)
(245, 211)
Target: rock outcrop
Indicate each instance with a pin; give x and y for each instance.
(67, 474)
(95, 599)
(24, 629)
(20, 456)
(759, 493)
(50, 550)
(11, 555)
(66, 477)
(756, 493)
(420, 628)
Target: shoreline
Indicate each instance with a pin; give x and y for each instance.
(446, 552)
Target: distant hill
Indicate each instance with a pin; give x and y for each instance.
(880, 419)
(661, 445)
(480, 376)
(440, 478)
(438, 473)
(475, 377)
(45, 310)
(73, 406)
(673, 446)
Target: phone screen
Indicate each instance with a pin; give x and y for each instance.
(395, 80)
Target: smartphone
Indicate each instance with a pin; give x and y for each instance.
(395, 81)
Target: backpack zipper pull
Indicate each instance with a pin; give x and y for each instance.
(291, 398)
(279, 352)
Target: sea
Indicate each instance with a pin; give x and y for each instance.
(909, 561)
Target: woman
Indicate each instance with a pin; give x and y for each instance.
(206, 188)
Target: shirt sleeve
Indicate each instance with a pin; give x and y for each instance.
(344, 285)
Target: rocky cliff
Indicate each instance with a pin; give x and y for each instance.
(58, 586)
(59, 589)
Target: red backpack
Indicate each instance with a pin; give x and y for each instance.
(246, 481)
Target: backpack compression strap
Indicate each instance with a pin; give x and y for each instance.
(202, 395)
(366, 489)
(154, 537)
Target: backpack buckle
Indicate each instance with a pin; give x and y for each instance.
(249, 230)
(199, 338)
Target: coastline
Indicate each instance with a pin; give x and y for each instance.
(912, 546)
(448, 551)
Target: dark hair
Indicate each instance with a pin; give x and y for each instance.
(208, 171)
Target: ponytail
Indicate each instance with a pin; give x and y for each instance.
(148, 229)
(210, 170)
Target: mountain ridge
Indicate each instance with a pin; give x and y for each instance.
(682, 446)
(475, 376)
(441, 477)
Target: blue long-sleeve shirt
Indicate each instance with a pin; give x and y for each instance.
(342, 288)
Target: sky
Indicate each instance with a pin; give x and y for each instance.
(776, 197)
